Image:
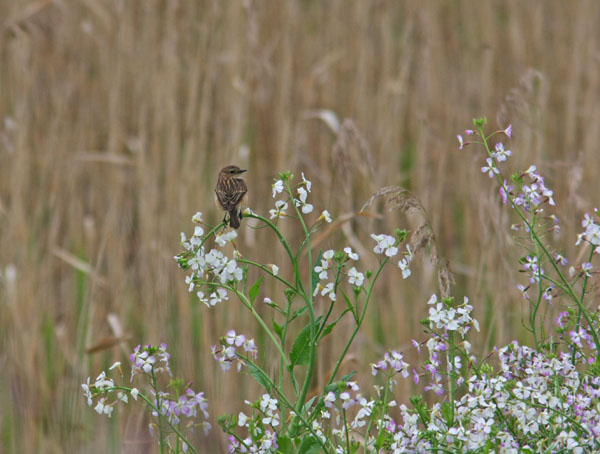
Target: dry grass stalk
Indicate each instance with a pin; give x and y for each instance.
(397, 198)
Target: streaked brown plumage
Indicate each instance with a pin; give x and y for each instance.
(230, 193)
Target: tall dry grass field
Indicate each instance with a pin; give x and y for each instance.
(116, 115)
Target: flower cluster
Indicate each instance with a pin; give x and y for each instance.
(101, 387)
(537, 402)
(148, 359)
(388, 245)
(394, 361)
(303, 191)
(210, 270)
(301, 202)
(341, 415)
(189, 405)
(262, 439)
(591, 234)
(227, 354)
(535, 193)
(444, 316)
(179, 409)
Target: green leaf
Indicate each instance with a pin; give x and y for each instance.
(380, 439)
(299, 312)
(309, 445)
(421, 408)
(300, 353)
(447, 413)
(260, 376)
(328, 329)
(308, 404)
(349, 305)
(278, 329)
(285, 445)
(253, 292)
(346, 378)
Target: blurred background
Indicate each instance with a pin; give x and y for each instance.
(116, 115)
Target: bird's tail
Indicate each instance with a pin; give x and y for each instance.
(234, 220)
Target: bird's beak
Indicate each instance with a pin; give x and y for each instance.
(242, 170)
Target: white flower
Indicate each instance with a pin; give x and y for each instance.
(186, 245)
(306, 182)
(306, 207)
(198, 232)
(280, 208)
(437, 315)
(231, 272)
(592, 233)
(277, 187)
(403, 265)
(218, 296)
(501, 154)
(202, 298)
(325, 216)
(134, 393)
(491, 168)
(115, 365)
(103, 383)
(87, 392)
(531, 172)
(100, 406)
(197, 218)
(325, 264)
(267, 404)
(355, 277)
(351, 254)
(104, 407)
(274, 269)
(385, 243)
(222, 238)
(329, 290)
(242, 419)
(329, 399)
(190, 281)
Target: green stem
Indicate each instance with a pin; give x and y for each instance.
(287, 403)
(346, 431)
(173, 428)
(585, 281)
(534, 310)
(259, 319)
(279, 235)
(324, 322)
(156, 408)
(283, 338)
(267, 270)
(567, 286)
(358, 324)
(308, 298)
(452, 374)
(382, 414)
(161, 440)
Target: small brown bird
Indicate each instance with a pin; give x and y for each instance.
(231, 193)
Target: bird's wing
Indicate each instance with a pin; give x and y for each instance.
(230, 192)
